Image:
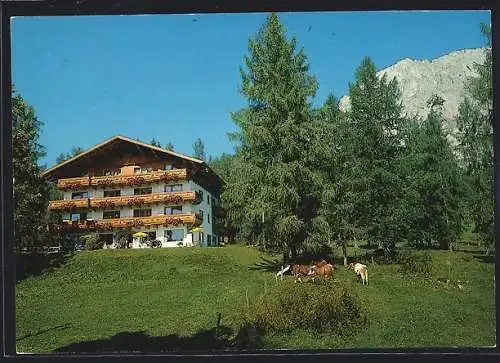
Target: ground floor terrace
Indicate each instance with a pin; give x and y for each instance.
(154, 236)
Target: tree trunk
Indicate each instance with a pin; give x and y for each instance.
(344, 253)
(293, 253)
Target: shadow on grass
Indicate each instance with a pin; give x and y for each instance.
(268, 265)
(217, 338)
(35, 264)
(485, 258)
(40, 332)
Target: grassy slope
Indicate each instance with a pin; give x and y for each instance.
(179, 291)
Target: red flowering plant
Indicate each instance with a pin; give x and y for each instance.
(106, 204)
(135, 201)
(173, 198)
(136, 180)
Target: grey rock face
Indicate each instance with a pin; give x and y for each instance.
(419, 80)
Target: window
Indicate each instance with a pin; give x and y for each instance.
(108, 172)
(209, 240)
(200, 212)
(78, 217)
(142, 212)
(140, 191)
(208, 199)
(176, 234)
(173, 210)
(79, 195)
(208, 217)
(137, 170)
(167, 167)
(112, 193)
(111, 214)
(173, 188)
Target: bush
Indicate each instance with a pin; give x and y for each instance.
(319, 308)
(413, 262)
(93, 241)
(154, 243)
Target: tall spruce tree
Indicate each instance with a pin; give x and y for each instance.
(31, 192)
(371, 181)
(434, 190)
(271, 191)
(333, 224)
(475, 125)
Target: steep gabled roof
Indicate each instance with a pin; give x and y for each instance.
(94, 149)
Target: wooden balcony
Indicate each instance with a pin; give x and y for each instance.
(173, 198)
(190, 219)
(139, 179)
(74, 183)
(66, 205)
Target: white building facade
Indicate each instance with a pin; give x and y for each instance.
(167, 196)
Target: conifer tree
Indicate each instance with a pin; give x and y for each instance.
(432, 210)
(271, 191)
(370, 182)
(31, 192)
(475, 125)
(199, 149)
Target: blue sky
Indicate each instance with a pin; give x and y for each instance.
(176, 77)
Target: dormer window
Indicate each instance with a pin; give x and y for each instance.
(108, 172)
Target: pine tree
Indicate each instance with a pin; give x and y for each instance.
(155, 143)
(271, 191)
(475, 125)
(169, 146)
(370, 184)
(75, 150)
(199, 149)
(31, 192)
(432, 208)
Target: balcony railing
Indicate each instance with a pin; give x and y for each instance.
(139, 179)
(122, 180)
(190, 219)
(73, 183)
(69, 204)
(145, 199)
(173, 198)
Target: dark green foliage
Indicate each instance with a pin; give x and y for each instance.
(31, 192)
(169, 146)
(271, 189)
(355, 156)
(199, 149)
(475, 125)
(431, 210)
(93, 241)
(324, 308)
(155, 143)
(412, 262)
(63, 157)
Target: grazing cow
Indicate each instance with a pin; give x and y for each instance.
(281, 272)
(320, 263)
(360, 270)
(297, 271)
(322, 270)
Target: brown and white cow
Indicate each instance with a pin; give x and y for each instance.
(321, 270)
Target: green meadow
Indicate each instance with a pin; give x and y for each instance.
(183, 299)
